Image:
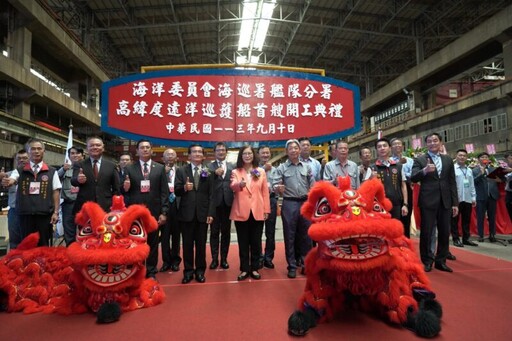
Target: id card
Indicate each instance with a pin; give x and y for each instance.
(466, 183)
(171, 187)
(144, 186)
(35, 187)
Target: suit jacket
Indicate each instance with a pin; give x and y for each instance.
(432, 184)
(197, 203)
(157, 199)
(485, 187)
(99, 190)
(253, 198)
(222, 193)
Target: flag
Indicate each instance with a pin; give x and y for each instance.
(69, 145)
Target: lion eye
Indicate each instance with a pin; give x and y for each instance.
(322, 207)
(86, 230)
(136, 229)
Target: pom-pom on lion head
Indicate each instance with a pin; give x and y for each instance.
(351, 225)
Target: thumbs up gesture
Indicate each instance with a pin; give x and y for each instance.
(2, 173)
(188, 185)
(242, 183)
(81, 176)
(430, 167)
(126, 183)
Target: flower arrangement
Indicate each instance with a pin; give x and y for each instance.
(205, 172)
(415, 152)
(472, 161)
(255, 173)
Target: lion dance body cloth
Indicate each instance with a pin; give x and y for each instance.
(102, 272)
(362, 260)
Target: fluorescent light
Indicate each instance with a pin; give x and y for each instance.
(254, 31)
(5, 53)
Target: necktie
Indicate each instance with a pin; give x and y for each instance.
(196, 177)
(437, 162)
(95, 169)
(36, 169)
(222, 166)
(146, 171)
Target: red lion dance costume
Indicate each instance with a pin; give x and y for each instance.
(102, 272)
(362, 259)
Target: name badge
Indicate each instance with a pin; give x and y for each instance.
(466, 183)
(35, 187)
(171, 187)
(144, 186)
(74, 189)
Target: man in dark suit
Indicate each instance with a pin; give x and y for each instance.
(487, 194)
(223, 198)
(438, 201)
(96, 177)
(194, 184)
(124, 160)
(146, 183)
(170, 233)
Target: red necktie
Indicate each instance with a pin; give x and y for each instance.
(95, 169)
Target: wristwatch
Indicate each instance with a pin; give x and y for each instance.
(405, 204)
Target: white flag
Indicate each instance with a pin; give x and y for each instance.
(69, 145)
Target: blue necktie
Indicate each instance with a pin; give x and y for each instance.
(437, 162)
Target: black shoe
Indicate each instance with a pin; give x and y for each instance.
(457, 243)
(175, 268)
(200, 278)
(481, 239)
(165, 268)
(255, 275)
(428, 267)
(292, 273)
(451, 257)
(224, 264)
(214, 264)
(186, 279)
(443, 267)
(242, 276)
(269, 265)
(260, 264)
(510, 241)
(469, 242)
(492, 238)
(151, 275)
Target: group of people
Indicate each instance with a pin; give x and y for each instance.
(188, 201)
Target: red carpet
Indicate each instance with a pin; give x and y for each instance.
(477, 300)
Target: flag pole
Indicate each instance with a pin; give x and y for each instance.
(69, 145)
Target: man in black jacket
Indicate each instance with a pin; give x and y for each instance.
(194, 184)
(146, 183)
(438, 201)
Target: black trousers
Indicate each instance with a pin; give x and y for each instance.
(152, 260)
(194, 236)
(270, 231)
(441, 217)
(37, 223)
(249, 243)
(221, 227)
(464, 216)
(170, 238)
(406, 219)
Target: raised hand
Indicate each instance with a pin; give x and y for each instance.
(242, 183)
(81, 176)
(430, 167)
(126, 183)
(188, 185)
